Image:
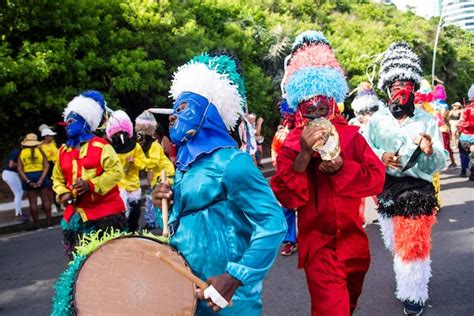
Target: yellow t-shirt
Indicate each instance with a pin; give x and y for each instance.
(131, 180)
(157, 161)
(31, 162)
(50, 150)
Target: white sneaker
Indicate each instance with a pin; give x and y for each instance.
(54, 209)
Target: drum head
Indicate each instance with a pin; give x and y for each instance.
(124, 277)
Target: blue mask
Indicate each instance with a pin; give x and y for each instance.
(189, 111)
(197, 128)
(77, 130)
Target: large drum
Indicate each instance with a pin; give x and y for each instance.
(126, 277)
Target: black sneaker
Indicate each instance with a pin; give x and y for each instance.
(412, 308)
(463, 173)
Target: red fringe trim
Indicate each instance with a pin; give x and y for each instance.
(412, 236)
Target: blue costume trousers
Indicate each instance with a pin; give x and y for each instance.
(290, 216)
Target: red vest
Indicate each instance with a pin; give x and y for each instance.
(91, 205)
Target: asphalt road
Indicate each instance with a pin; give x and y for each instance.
(30, 263)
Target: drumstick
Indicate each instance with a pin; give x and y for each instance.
(183, 271)
(164, 208)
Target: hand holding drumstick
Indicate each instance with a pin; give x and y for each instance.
(162, 197)
(218, 290)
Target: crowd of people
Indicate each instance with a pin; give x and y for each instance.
(326, 167)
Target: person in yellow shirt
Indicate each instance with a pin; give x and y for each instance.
(119, 132)
(145, 126)
(156, 162)
(33, 169)
(48, 146)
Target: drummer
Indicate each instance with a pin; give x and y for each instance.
(87, 172)
(333, 246)
(225, 219)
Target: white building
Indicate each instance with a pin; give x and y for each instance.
(459, 12)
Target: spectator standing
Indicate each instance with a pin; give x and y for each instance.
(247, 135)
(48, 146)
(12, 179)
(454, 119)
(257, 124)
(33, 168)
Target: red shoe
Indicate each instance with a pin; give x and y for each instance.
(288, 249)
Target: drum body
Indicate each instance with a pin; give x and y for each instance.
(125, 277)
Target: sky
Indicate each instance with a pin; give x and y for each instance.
(424, 8)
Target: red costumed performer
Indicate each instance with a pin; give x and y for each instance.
(333, 246)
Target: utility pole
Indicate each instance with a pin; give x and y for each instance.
(438, 31)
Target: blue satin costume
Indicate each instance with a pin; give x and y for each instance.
(225, 217)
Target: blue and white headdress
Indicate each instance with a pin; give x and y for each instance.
(217, 78)
(313, 70)
(90, 105)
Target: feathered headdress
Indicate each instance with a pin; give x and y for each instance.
(218, 79)
(399, 63)
(119, 121)
(145, 123)
(366, 100)
(313, 70)
(90, 105)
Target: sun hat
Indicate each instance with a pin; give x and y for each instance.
(47, 132)
(30, 140)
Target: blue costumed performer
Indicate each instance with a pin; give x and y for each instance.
(225, 219)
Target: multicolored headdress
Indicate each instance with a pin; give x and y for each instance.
(366, 100)
(312, 70)
(424, 94)
(217, 78)
(145, 123)
(119, 121)
(399, 63)
(439, 92)
(90, 105)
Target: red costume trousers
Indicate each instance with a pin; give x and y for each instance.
(334, 284)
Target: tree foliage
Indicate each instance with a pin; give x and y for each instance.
(51, 50)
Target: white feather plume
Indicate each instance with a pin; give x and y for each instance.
(88, 108)
(217, 88)
(412, 279)
(386, 228)
(365, 103)
(399, 63)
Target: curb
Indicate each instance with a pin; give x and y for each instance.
(15, 227)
